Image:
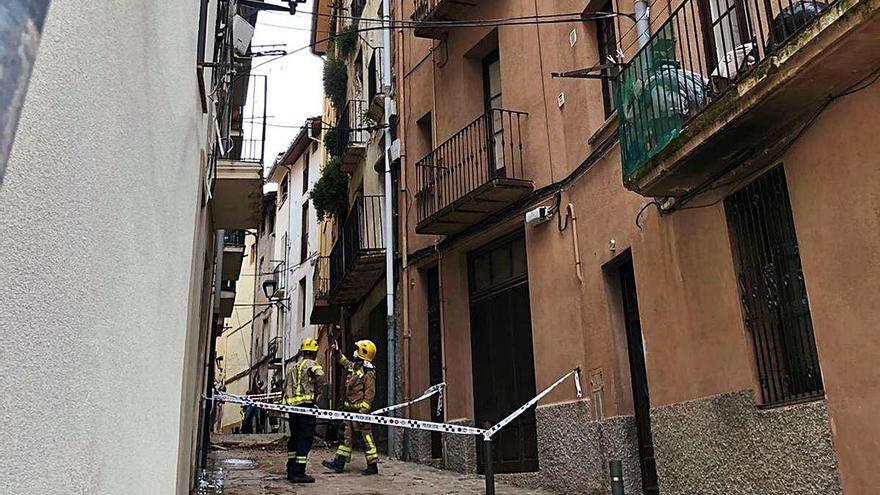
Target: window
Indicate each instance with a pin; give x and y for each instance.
(269, 221)
(426, 132)
(302, 302)
(373, 82)
(282, 188)
(304, 237)
(772, 290)
(606, 42)
(492, 100)
(305, 169)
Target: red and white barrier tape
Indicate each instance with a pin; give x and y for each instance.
(413, 424)
(352, 416)
(430, 392)
(487, 435)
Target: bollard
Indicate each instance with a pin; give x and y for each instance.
(487, 461)
(616, 468)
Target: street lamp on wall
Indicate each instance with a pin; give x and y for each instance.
(270, 287)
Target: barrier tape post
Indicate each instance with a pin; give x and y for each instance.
(616, 468)
(488, 469)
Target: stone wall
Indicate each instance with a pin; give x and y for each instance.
(726, 445)
(723, 444)
(574, 450)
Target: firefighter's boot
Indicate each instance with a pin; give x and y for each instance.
(299, 475)
(371, 470)
(336, 465)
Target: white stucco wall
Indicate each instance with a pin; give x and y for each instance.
(97, 215)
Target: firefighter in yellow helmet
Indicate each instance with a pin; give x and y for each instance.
(360, 389)
(303, 382)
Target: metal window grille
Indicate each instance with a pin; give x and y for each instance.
(772, 290)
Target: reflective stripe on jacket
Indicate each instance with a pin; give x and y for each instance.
(303, 382)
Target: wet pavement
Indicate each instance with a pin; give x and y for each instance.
(256, 467)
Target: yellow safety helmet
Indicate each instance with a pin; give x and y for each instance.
(309, 345)
(366, 350)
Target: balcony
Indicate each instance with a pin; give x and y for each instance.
(272, 353)
(322, 310)
(238, 156)
(357, 259)
(352, 134)
(475, 173)
(431, 11)
(227, 298)
(233, 253)
(721, 89)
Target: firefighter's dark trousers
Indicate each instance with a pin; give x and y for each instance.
(302, 434)
(365, 429)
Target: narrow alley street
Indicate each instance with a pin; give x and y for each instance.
(255, 466)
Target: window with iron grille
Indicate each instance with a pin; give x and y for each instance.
(772, 290)
(606, 42)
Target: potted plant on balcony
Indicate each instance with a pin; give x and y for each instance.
(335, 81)
(331, 136)
(329, 195)
(345, 40)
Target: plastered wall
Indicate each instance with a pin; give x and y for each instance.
(97, 219)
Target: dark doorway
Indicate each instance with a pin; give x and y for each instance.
(639, 377)
(501, 347)
(378, 333)
(435, 356)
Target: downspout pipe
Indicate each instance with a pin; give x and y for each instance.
(643, 22)
(389, 220)
(21, 25)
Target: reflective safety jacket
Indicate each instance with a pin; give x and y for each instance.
(360, 385)
(302, 383)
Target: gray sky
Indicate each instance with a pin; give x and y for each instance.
(294, 82)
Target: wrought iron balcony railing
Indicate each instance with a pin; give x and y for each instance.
(247, 114)
(695, 57)
(352, 128)
(489, 148)
(360, 236)
(422, 9)
(234, 238)
(321, 278)
(426, 13)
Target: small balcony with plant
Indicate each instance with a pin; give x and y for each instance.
(429, 16)
(348, 139)
(473, 174)
(723, 86)
(357, 259)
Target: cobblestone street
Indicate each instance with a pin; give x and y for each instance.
(256, 467)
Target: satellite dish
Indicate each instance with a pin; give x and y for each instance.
(242, 32)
